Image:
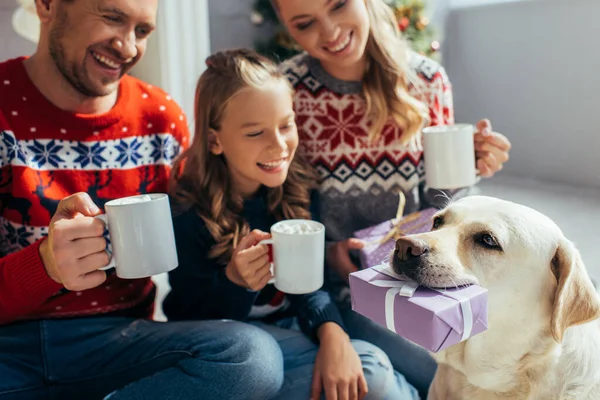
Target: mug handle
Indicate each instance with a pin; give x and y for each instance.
(106, 234)
(269, 242)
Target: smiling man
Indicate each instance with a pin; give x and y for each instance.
(75, 132)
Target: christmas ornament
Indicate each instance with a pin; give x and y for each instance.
(422, 23)
(435, 46)
(403, 24)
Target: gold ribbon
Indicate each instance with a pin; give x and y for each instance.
(396, 232)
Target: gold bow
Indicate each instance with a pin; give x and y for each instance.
(396, 232)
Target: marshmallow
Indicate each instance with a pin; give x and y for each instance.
(299, 228)
(133, 200)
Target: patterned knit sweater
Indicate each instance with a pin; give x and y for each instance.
(47, 154)
(361, 180)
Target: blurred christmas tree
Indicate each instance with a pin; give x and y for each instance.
(410, 15)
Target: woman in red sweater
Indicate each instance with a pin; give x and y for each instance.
(362, 99)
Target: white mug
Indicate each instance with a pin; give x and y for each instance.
(449, 153)
(298, 255)
(139, 236)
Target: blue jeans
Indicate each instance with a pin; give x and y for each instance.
(410, 360)
(88, 358)
(299, 354)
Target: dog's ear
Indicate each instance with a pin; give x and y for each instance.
(576, 300)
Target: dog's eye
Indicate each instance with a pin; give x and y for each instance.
(488, 241)
(437, 222)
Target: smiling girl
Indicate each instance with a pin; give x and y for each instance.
(238, 178)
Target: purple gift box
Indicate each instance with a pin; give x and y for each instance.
(434, 319)
(375, 252)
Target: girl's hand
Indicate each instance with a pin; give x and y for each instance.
(249, 266)
(338, 369)
(491, 149)
(338, 256)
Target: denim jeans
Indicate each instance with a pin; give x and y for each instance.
(299, 353)
(412, 361)
(89, 358)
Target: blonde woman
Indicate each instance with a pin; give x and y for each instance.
(362, 99)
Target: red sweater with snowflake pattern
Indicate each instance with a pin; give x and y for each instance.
(47, 154)
(360, 180)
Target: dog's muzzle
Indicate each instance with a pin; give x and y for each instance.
(408, 255)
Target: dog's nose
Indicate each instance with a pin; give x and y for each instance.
(409, 248)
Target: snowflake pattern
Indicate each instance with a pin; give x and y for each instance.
(14, 148)
(334, 130)
(54, 154)
(48, 153)
(17, 238)
(90, 154)
(129, 152)
(340, 126)
(164, 147)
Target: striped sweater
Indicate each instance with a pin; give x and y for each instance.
(47, 154)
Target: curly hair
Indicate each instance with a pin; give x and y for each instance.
(200, 180)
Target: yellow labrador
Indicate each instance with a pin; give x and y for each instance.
(543, 341)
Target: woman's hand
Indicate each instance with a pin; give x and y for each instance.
(338, 369)
(249, 266)
(491, 149)
(338, 256)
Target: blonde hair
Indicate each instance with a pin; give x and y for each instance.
(201, 180)
(388, 76)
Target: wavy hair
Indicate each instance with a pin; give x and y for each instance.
(388, 76)
(200, 180)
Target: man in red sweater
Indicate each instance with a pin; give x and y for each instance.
(75, 132)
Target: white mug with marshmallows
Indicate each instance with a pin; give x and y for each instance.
(139, 236)
(449, 153)
(298, 255)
